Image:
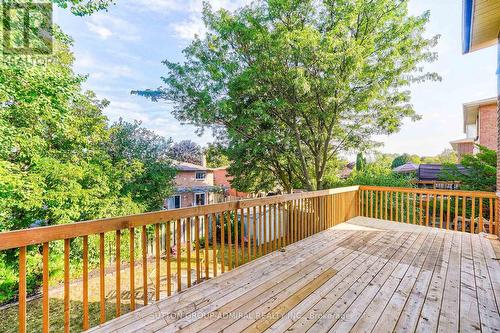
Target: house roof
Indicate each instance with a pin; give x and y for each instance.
(480, 24)
(431, 172)
(455, 143)
(408, 167)
(470, 109)
(185, 166)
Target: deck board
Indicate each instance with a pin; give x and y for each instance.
(365, 275)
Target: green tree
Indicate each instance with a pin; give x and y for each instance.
(139, 148)
(480, 171)
(186, 151)
(360, 162)
(216, 156)
(400, 160)
(290, 84)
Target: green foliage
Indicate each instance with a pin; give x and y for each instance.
(480, 174)
(216, 156)
(448, 156)
(360, 162)
(290, 84)
(60, 163)
(400, 160)
(133, 146)
(186, 151)
(84, 7)
(376, 173)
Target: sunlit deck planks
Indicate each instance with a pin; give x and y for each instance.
(363, 275)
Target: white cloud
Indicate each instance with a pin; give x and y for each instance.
(192, 24)
(101, 31)
(105, 26)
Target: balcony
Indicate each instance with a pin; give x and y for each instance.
(359, 258)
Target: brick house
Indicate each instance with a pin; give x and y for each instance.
(222, 179)
(194, 186)
(198, 185)
(479, 126)
(481, 29)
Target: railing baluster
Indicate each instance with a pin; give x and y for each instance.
(45, 288)
(236, 250)
(188, 250)
(414, 208)
(265, 228)
(455, 227)
(197, 247)
(144, 265)
(441, 212)
(132, 267)
(249, 243)
(178, 254)
(118, 268)
(207, 243)
(229, 240)
(408, 208)
(214, 244)
(242, 224)
(448, 212)
(85, 279)
(168, 246)
(222, 240)
(492, 219)
(22, 290)
(480, 221)
(102, 282)
(261, 217)
(434, 207)
(427, 201)
(472, 217)
(254, 236)
(157, 261)
(66, 286)
(464, 212)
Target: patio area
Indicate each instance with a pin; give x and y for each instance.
(364, 275)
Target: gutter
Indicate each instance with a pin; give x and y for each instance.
(467, 20)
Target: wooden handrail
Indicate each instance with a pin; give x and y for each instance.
(466, 211)
(25, 237)
(477, 194)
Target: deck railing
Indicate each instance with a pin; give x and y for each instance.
(199, 243)
(175, 249)
(464, 211)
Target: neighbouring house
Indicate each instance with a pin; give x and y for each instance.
(223, 180)
(479, 126)
(198, 185)
(194, 186)
(481, 29)
(347, 170)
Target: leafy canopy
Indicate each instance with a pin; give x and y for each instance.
(287, 85)
(481, 171)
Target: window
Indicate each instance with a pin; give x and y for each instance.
(199, 199)
(471, 131)
(174, 202)
(201, 175)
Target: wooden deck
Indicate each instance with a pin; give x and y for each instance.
(364, 275)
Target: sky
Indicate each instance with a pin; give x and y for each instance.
(122, 49)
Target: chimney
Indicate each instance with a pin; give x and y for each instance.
(203, 160)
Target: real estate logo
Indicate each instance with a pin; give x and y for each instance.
(27, 27)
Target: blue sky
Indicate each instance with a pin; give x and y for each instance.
(122, 49)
